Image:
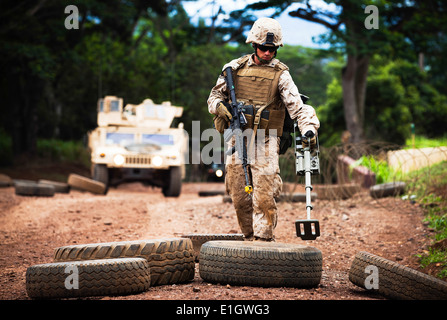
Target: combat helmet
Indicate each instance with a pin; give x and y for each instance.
(265, 31)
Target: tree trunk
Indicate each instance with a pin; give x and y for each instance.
(354, 76)
(54, 104)
(24, 130)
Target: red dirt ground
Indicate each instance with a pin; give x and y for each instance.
(32, 227)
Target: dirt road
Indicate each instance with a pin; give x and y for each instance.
(32, 227)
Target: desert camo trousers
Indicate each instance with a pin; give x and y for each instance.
(256, 214)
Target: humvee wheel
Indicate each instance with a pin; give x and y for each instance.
(174, 186)
(101, 174)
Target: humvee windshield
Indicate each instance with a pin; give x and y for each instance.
(122, 139)
(159, 139)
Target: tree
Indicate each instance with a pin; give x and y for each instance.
(37, 51)
(358, 43)
(399, 24)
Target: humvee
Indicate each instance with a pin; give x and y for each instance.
(137, 143)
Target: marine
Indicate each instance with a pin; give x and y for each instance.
(265, 85)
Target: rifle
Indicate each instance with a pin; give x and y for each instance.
(237, 122)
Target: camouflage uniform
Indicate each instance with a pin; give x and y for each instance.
(257, 215)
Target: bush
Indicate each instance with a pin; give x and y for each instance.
(380, 167)
(429, 185)
(67, 151)
(6, 154)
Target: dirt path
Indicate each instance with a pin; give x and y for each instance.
(32, 227)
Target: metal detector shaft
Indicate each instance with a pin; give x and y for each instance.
(307, 178)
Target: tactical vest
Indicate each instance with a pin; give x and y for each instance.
(258, 86)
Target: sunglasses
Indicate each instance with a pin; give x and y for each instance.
(265, 48)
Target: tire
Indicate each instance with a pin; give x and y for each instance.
(5, 181)
(31, 188)
(296, 197)
(101, 174)
(211, 193)
(387, 189)
(59, 187)
(266, 264)
(86, 184)
(94, 278)
(396, 281)
(170, 260)
(199, 239)
(174, 186)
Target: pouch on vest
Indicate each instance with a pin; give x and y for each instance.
(272, 120)
(249, 112)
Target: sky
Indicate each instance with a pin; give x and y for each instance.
(295, 31)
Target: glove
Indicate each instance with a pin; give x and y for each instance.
(311, 135)
(223, 112)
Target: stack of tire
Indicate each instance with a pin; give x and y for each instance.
(113, 268)
(47, 188)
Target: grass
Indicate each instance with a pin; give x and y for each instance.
(380, 167)
(47, 149)
(63, 151)
(423, 142)
(429, 185)
(435, 257)
(6, 156)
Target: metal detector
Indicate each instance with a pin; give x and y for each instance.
(307, 164)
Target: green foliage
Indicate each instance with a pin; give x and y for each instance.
(52, 77)
(6, 156)
(396, 96)
(429, 185)
(193, 84)
(308, 68)
(424, 142)
(331, 115)
(63, 151)
(428, 107)
(388, 119)
(437, 257)
(380, 167)
(428, 182)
